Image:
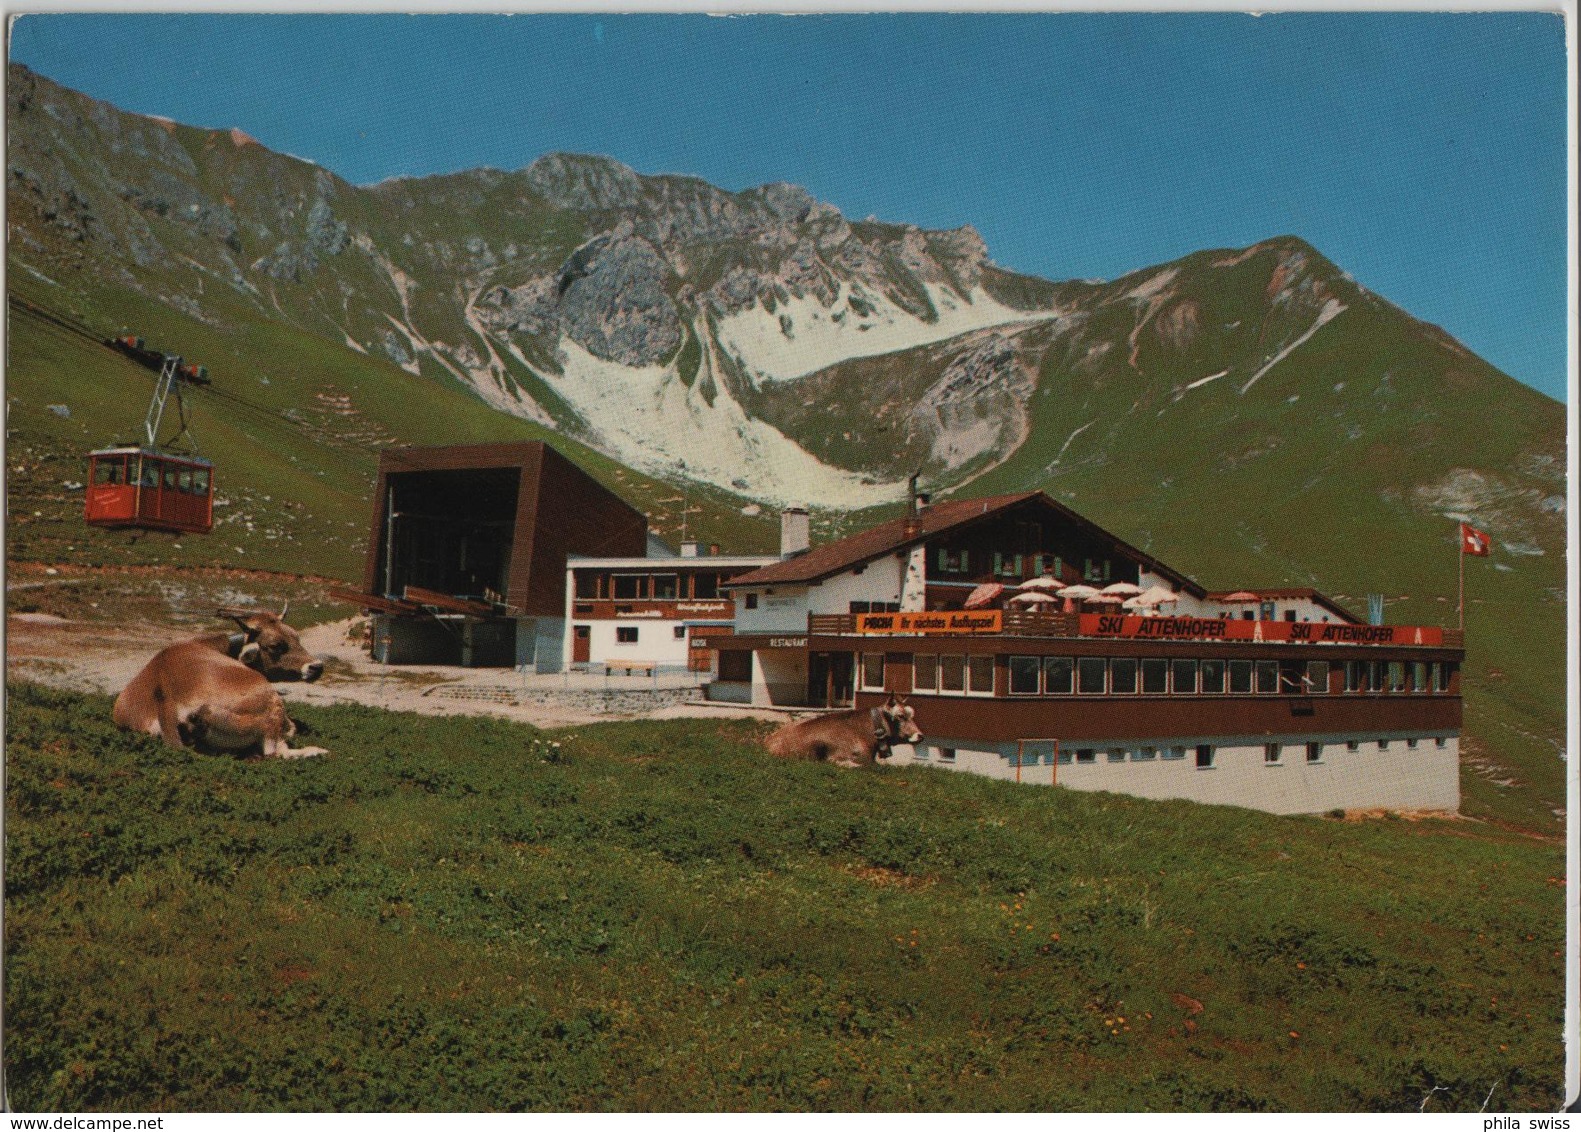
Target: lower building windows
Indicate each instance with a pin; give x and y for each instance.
(1122, 675)
(1204, 756)
(1267, 676)
(925, 672)
(980, 675)
(1064, 758)
(626, 634)
(952, 674)
(1440, 742)
(1059, 674)
(1117, 754)
(1184, 675)
(872, 671)
(1174, 752)
(1086, 755)
(1314, 752)
(1383, 744)
(1144, 754)
(946, 754)
(1270, 752)
(1024, 673)
(1155, 676)
(1240, 676)
(1353, 744)
(1410, 744)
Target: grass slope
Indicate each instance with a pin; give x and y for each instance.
(458, 914)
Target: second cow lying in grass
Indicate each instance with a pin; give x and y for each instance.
(850, 738)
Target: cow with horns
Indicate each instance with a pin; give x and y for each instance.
(850, 738)
(213, 692)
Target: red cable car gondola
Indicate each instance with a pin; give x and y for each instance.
(150, 486)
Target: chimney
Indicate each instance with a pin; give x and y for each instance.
(919, 504)
(713, 548)
(689, 548)
(795, 531)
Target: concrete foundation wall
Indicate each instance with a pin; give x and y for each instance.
(1383, 772)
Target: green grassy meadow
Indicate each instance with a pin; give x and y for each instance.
(462, 915)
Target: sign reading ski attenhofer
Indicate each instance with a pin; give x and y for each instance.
(1225, 629)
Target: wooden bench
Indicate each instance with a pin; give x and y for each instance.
(631, 667)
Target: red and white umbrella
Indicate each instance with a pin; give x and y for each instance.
(1033, 597)
(984, 595)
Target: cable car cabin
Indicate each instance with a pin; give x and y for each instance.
(135, 487)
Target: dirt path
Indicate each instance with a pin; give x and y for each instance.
(92, 656)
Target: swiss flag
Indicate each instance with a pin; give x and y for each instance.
(1473, 541)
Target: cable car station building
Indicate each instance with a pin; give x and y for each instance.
(1279, 701)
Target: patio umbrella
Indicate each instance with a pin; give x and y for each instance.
(1107, 599)
(1157, 595)
(1122, 589)
(1043, 583)
(1080, 592)
(983, 595)
(1033, 597)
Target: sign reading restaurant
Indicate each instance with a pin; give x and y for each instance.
(930, 624)
(1225, 629)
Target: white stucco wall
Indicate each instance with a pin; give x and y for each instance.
(1396, 777)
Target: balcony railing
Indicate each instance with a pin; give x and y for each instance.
(1019, 623)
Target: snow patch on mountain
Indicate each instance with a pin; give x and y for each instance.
(647, 417)
(802, 336)
(1330, 309)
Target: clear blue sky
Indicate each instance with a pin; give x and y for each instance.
(1424, 153)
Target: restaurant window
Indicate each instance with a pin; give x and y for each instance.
(1007, 565)
(1356, 673)
(1155, 676)
(1064, 758)
(872, 672)
(1353, 744)
(1024, 675)
(1267, 675)
(953, 561)
(665, 587)
(980, 675)
(1122, 675)
(1089, 674)
(628, 586)
(1175, 752)
(1314, 752)
(705, 585)
(1396, 676)
(680, 632)
(1204, 756)
(1419, 676)
(587, 586)
(1292, 677)
(1213, 676)
(735, 666)
(1184, 673)
(1270, 752)
(925, 672)
(626, 634)
(750, 601)
(1378, 677)
(1410, 744)
(1383, 744)
(1086, 755)
(952, 674)
(1144, 754)
(1116, 754)
(1058, 675)
(1317, 677)
(1240, 676)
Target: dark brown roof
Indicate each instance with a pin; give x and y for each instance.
(1287, 592)
(897, 534)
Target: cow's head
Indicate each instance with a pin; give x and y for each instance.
(901, 720)
(273, 647)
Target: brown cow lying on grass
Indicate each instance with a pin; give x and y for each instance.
(851, 738)
(213, 693)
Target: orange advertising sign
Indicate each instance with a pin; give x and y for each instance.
(930, 624)
(1224, 629)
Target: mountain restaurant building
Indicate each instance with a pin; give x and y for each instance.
(1280, 701)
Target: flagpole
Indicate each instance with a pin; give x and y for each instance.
(1461, 604)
